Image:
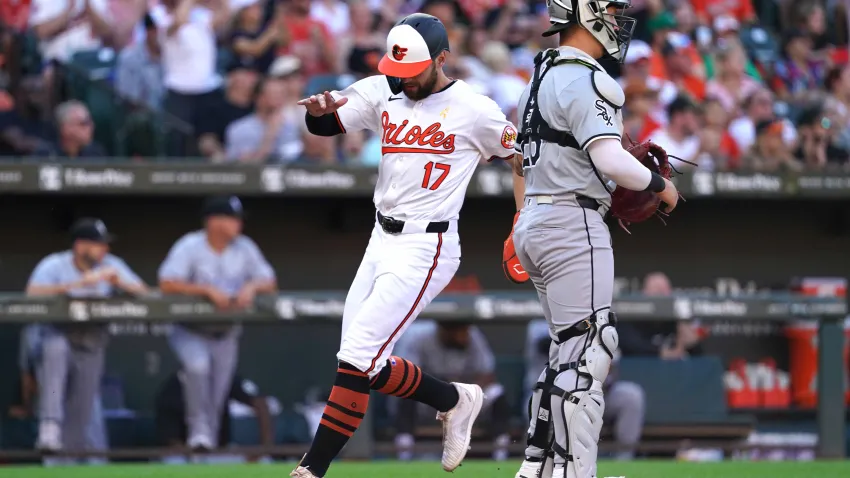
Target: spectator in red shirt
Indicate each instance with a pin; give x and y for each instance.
(707, 10)
(309, 40)
(15, 13)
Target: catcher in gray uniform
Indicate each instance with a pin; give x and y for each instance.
(572, 160)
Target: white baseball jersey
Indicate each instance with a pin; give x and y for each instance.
(430, 147)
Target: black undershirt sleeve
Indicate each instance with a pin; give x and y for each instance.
(325, 125)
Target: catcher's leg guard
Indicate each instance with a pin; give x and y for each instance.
(538, 453)
(577, 401)
(539, 437)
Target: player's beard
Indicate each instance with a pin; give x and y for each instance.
(423, 90)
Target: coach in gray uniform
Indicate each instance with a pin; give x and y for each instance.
(226, 267)
(572, 157)
(71, 362)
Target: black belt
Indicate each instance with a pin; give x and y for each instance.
(586, 202)
(394, 226)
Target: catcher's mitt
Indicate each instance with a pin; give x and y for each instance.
(637, 206)
(510, 262)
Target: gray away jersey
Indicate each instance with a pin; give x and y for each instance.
(568, 102)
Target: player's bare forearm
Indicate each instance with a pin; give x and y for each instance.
(183, 288)
(519, 183)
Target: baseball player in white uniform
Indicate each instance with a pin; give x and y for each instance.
(434, 132)
(571, 136)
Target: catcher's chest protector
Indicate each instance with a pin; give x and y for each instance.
(561, 115)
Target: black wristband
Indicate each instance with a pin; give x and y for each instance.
(325, 125)
(656, 183)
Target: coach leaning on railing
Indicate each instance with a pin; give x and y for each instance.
(71, 356)
(220, 264)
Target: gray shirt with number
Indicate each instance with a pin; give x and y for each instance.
(569, 102)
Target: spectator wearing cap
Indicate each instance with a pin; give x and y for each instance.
(679, 137)
(139, 71)
(253, 43)
(769, 152)
(309, 40)
(221, 111)
(272, 133)
(798, 75)
(71, 363)
(817, 132)
(220, 264)
(758, 107)
(731, 84)
(362, 47)
(682, 66)
(76, 134)
(187, 33)
(637, 69)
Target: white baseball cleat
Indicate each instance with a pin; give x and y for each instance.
(457, 424)
(302, 472)
(49, 436)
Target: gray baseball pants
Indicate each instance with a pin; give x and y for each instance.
(566, 250)
(208, 367)
(69, 383)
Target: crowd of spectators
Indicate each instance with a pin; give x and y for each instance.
(735, 84)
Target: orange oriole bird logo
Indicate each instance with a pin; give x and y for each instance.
(399, 53)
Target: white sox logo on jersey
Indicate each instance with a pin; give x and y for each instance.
(431, 140)
(603, 112)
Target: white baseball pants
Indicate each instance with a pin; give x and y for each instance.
(399, 276)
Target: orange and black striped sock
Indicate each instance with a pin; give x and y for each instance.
(402, 378)
(344, 411)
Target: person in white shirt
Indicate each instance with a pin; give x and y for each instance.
(679, 138)
(758, 107)
(505, 86)
(66, 27)
(187, 33)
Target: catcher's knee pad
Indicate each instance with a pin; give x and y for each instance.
(600, 347)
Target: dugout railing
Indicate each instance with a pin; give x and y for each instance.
(287, 309)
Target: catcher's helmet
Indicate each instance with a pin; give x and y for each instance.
(412, 44)
(612, 29)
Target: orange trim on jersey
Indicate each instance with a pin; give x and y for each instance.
(339, 122)
(415, 303)
(393, 149)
